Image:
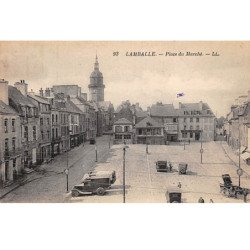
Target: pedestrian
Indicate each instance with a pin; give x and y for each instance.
(146, 148)
(189, 141)
(245, 193)
(179, 185)
(170, 167)
(201, 200)
(211, 201)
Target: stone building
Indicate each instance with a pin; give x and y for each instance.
(44, 127)
(108, 115)
(237, 126)
(167, 116)
(149, 131)
(29, 119)
(76, 124)
(79, 99)
(132, 112)
(10, 134)
(123, 131)
(196, 122)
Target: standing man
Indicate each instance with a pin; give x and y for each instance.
(201, 200)
(245, 193)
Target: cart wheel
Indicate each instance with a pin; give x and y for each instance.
(75, 193)
(100, 191)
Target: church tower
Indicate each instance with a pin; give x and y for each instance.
(96, 86)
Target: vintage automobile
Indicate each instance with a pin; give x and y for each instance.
(182, 168)
(92, 141)
(173, 195)
(230, 190)
(163, 166)
(94, 183)
(101, 173)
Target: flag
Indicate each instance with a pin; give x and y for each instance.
(180, 94)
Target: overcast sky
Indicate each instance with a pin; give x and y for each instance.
(215, 80)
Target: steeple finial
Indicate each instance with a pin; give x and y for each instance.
(96, 63)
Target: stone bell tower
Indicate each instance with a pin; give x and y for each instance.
(96, 86)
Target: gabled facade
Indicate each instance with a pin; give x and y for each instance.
(29, 119)
(10, 144)
(44, 127)
(167, 116)
(123, 131)
(196, 122)
(149, 131)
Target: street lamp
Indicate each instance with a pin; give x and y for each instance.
(67, 168)
(109, 140)
(184, 144)
(124, 167)
(67, 178)
(96, 157)
(201, 149)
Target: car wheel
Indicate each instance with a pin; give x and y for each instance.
(75, 193)
(100, 191)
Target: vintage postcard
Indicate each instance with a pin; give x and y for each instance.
(124, 122)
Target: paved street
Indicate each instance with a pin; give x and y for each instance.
(48, 182)
(144, 184)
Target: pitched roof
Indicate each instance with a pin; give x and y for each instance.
(205, 109)
(16, 96)
(123, 121)
(141, 114)
(71, 107)
(39, 99)
(148, 122)
(162, 110)
(6, 109)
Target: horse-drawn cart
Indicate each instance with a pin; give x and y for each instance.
(230, 190)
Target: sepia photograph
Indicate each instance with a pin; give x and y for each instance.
(124, 122)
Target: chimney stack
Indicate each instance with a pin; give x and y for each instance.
(4, 93)
(68, 98)
(200, 105)
(148, 111)
(47, 92)
(248, 95)
(41, 92)
(22, 86)
(31, 92)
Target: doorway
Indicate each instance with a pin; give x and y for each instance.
(197, 136)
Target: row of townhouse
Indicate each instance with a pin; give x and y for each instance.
(37, 127)
(162, 123)
(237, 127)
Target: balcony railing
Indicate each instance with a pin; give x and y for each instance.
(12, 153)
